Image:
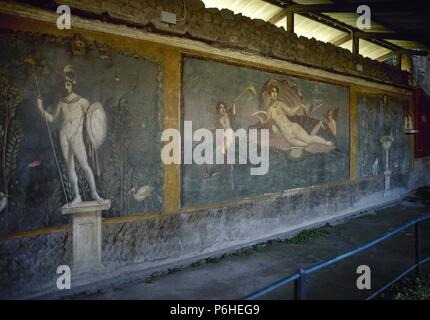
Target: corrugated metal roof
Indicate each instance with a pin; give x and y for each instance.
(259, 9)
(312, 29)
(351, 20)
(367, 49)
(409, 44)
(255, 9)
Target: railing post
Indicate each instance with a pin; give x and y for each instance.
(300, 285)
(417, 249)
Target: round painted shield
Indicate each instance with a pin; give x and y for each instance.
(96, 124)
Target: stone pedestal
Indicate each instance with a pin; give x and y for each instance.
(387, 188)
(87, 234)
(387, 141)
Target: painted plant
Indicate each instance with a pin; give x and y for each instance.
(10, 134)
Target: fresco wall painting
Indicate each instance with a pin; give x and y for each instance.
(308, 123)
(100, 140)
(119, 115)
(381, 119)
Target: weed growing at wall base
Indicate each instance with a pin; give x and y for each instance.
(418, 290)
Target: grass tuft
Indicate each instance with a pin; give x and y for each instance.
(416, 290)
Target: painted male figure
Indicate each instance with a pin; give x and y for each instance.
(73, 108)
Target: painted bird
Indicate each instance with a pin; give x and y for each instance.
(3, 201)
(142, 193)
(211, 173)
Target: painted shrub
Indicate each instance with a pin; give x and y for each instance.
(217, 96)
(127, 88)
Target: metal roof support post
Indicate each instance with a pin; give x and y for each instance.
(355, 43)
(290, 21)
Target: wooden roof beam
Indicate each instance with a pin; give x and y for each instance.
(324, 19)
(344, 39)
(278, 16)
(392, 36)
(392, 6)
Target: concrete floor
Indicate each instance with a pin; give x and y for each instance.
(235, 276)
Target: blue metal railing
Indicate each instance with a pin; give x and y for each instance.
(300, 277)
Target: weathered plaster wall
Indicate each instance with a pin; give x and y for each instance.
(28, 265)
(421, 72)
(29, 260)
(224, 29)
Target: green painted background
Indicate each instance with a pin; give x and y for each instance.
(376, 119)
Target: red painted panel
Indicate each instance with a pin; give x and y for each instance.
(422, 123)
